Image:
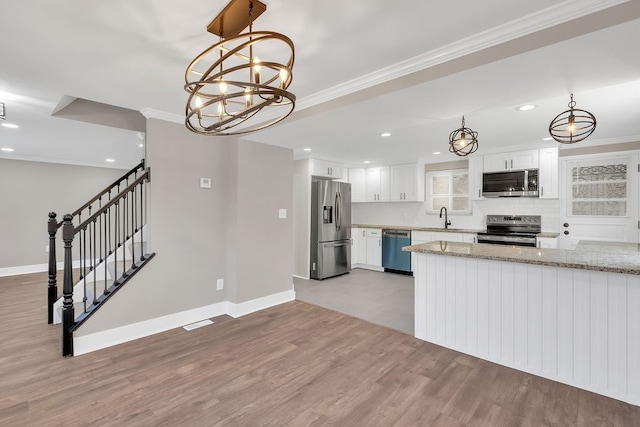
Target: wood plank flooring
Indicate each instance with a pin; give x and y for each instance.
(291, 365)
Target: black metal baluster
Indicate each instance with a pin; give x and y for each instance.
(93, 260)
(84, 263)
(134, 226)
(52, 296)
(142, 222)
(124, 233)
(116, 244)
(104, 243)
(68, 316)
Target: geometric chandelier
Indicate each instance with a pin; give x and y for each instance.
(463, 141)
(239, 84)
(573, 125)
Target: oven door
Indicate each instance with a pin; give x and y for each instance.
(509, 240)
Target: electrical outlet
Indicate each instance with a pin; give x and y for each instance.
(282, 213)
(46, 248)
(220, 284)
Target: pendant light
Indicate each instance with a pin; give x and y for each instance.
(573, 125)
(231, 89)
(463, 141)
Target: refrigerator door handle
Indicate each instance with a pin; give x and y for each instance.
(337, 208)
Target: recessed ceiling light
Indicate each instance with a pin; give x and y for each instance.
(385, 134)
(140, 145)
(8, 150)
(307, 149)
(525, 107)
(547, 138)
(436, 152)
(109, 160)
(10, 125)
(366, 162)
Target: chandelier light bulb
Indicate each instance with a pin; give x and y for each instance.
(248, 98)
(257, 68)
(223, 87)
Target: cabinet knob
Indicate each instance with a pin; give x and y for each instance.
(566, 224)
(566, 232)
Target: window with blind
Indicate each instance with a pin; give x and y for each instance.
(449, 188)
(598, 189)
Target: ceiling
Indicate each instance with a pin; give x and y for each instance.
(410, 68)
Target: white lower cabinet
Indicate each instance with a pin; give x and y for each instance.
(366, 251)
(374, 247)
(547, 242)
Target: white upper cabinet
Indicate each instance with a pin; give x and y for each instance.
(403, 182)
(548, 173)
(377, 184)
(325, 169)
(357, 181)
(517, 160)
(475, 178)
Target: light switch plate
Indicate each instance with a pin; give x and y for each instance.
(205, 182)
(282, 213)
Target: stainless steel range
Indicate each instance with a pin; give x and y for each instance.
(516, 230)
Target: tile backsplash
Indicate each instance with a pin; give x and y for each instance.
(414, 213)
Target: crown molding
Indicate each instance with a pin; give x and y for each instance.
(529, 24)
(151, 113)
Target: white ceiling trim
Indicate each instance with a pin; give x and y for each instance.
(557, 14)
(152, 113)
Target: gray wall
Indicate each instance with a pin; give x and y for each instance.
(301, 217)
(28, 192)
(230, 231)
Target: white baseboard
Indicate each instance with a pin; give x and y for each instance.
(301, 277)
(99, 340)
(34, 268)
(244, 308)
(23, 269)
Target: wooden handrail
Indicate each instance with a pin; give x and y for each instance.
(107, 189)
(113, 201)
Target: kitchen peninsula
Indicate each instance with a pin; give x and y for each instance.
(568, 315)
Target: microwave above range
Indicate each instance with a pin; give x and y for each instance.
(522, 183)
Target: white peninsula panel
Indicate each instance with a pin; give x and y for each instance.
(576, 326)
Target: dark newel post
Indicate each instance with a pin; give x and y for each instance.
(68, 315)
(52, 228)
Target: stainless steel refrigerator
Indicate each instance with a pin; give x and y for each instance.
(330, 228)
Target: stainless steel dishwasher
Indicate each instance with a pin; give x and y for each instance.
(394, 259)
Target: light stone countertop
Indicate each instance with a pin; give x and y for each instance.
(414, 228)
(447, 230)
(588, 255)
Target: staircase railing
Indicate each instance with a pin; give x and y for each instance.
(106, 229)
(53, 225)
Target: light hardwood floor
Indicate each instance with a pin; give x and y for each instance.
(295, 364)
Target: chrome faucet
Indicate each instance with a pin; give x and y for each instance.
(447, 223)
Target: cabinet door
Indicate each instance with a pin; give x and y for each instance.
(362, 246)
(495, 162)
(355, 243)
(357, 180)
(384, 184)
(374, 251)
(527, 159)
(326, 169)
(372, 184)
(396, 183)
(475, 178)
(548, 173)
(547, 242)
(402, 183)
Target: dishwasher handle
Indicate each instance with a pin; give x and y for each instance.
(396, 233)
